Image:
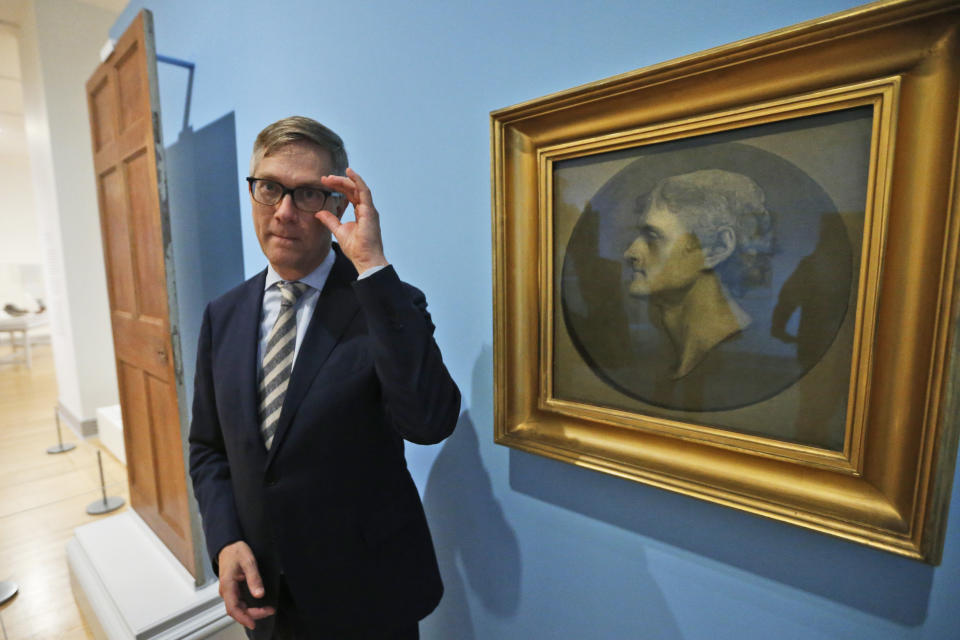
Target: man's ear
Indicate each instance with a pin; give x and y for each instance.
(721, 249)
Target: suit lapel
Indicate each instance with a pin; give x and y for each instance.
(248, 337)
(336, 307)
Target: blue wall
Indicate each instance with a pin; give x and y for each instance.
(530, 548)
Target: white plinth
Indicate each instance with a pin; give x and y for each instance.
(110, 430)
(130, 587)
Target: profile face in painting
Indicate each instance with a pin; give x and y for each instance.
(715, 276)
(690, 228)
(667, 258)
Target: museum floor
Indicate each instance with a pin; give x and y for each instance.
(42, 499)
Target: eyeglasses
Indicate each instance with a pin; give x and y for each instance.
(270, 192)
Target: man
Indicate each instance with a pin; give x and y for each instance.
(693, 227)
(309, 376)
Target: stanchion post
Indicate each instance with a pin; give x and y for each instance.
(60, 447)
(106, 505)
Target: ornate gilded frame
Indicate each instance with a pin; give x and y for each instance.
(888, 485)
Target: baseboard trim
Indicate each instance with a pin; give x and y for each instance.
(83, 428)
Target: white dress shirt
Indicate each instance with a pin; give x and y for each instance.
(304, 306)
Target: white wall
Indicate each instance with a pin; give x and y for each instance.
(20, 251)
(20, 239)
(60, 42)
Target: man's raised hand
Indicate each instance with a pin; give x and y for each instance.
(360, 240)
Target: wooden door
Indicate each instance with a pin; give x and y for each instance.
(127, 147)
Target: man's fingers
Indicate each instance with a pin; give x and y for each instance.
(346, 186)
(329, 220)
(352, 186)
(239, 613)
(357, 180)
(259, 613)
(363, 191)
(252, 575)
(237, 564)
(236, 609)
(230, 592)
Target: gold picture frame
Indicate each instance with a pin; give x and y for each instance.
(855, 115)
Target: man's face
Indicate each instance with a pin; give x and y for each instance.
(665, 257)
(294, 241)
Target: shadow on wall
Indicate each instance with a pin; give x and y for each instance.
(476, 547)
(475, 544)
(899, 589)
(204, 206)
(204, 196)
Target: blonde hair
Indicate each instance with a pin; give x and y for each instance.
(299, 129)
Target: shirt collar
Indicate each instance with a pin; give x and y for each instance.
(315, 279)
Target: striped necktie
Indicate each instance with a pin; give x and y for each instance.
(278, 360)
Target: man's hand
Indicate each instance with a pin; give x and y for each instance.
(237, 565)
(360, 240)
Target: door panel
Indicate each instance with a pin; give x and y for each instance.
(130, 84)
(137, 434)
(127, 151)
(172, 491)
(117, 243)
(101, 116)
(145, 224)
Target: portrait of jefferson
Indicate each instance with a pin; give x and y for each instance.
(705, 238)
(711, 279)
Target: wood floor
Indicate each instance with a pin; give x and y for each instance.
(43, 498)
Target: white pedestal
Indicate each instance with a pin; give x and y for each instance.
(110, 430)
(130, 587)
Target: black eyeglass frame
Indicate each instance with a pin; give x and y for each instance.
(251, 182)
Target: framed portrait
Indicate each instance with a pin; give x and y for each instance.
(734, 275)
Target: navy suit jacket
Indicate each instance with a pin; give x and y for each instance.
(331, 505)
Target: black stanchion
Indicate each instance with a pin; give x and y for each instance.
(106, 505)
(60, 447)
